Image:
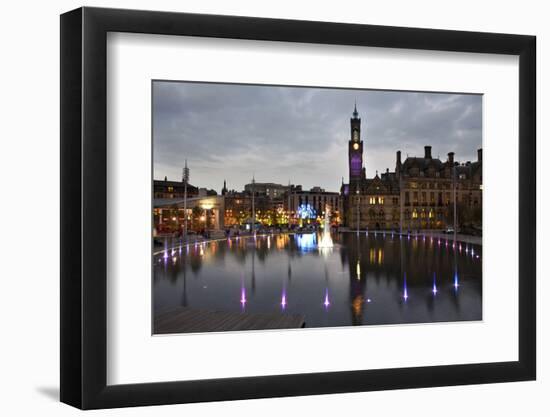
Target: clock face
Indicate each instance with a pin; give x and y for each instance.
(355, 146)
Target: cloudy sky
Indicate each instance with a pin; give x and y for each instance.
(277, 134)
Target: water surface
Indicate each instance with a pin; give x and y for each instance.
(364, 279)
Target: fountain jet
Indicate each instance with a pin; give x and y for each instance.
(326, 239)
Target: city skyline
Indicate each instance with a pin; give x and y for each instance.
(281, 134)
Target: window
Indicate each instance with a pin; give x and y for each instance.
(380, 200)
(415, 214)
(372, 200)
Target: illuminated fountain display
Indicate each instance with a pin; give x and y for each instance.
(326, 239)
(338, 279)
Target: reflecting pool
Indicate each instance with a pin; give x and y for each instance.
(363, 279)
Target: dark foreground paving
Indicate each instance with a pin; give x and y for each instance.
(189, 320)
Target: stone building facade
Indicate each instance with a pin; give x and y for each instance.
(418, 194)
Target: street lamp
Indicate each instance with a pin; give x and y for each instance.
(185, 179)
(358, 213)
(454, 203)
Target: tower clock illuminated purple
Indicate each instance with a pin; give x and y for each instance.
(355, 149)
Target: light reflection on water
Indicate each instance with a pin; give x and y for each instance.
(363, 279)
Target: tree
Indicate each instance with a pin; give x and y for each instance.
(196, 215)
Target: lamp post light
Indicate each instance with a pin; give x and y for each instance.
(185, 181)
(454, 203)
(253, 209)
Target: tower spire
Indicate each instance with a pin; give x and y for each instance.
(355, 112)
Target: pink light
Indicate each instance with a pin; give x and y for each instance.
(405, 292)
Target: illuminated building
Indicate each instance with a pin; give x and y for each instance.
(418, 194)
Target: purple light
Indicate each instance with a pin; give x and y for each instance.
(326, 303)
(405, 292)
(243, 297)
(434, 286)
(283, 300)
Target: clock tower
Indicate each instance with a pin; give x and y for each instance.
(355, 150)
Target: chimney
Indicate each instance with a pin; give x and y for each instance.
(398, 163)
(428, 152)
(451, 158)
(165, 178)
(479, 152)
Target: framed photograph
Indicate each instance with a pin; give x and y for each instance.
(256, 207)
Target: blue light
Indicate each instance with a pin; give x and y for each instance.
(306, 211)
(455, 283)
(306, 241)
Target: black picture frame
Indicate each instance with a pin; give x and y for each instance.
(84, 207)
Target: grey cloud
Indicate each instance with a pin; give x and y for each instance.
(300, 134)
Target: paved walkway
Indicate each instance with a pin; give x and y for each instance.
(191, 320)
